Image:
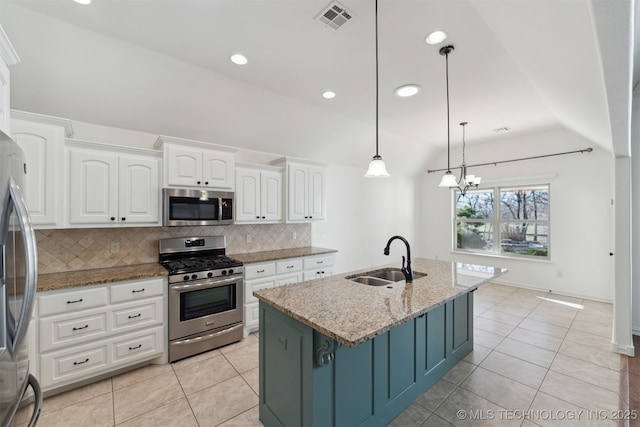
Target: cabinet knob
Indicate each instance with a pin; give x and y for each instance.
(113, 218)
(310, 217)
(258, 217)
(206, 183)
(263, 217)
(124, 219)
(198, 182)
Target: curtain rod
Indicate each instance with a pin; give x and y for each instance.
(586, 150)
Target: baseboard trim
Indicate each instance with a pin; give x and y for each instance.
(629, 350)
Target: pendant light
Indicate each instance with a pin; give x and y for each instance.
(466, 181)
(448, 179)
(377, 168)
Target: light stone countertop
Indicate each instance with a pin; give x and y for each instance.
(73, 279)
(352, 313)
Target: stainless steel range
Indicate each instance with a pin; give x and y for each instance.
(205, 294)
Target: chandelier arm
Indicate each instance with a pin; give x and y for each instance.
(586, 150)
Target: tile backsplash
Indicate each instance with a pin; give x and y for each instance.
(85, 248)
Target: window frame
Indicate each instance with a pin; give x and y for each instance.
(496, 223)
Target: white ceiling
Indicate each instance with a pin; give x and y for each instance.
(162, 67)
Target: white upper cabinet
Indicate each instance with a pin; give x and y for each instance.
(42, 140)
(107, 186)
(8, 57)
(197, 164)
(306, 190)
(258, 194)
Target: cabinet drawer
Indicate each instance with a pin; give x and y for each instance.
(136, 315)
(66, 366)
(288, 279)
(249, 287)
(319, 261)
(138, 346)
(256, 271)
(137, 290)
(61, 330)
(289, 266)
(66, 302)
(251, 316)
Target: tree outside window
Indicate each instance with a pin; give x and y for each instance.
(511, 221)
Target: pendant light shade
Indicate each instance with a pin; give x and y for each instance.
(377, 168)
(448, 180)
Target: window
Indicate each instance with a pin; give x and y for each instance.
(511, 221)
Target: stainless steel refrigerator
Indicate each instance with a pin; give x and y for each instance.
(18, 284)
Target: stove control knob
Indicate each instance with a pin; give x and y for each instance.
(186, 277)
(209, 274)
(230, 271)
(224, 272)
(194, 276)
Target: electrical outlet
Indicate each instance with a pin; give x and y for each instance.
(294, 235)
(115, 247)
(248, 238)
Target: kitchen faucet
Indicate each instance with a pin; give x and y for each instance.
(408, 274)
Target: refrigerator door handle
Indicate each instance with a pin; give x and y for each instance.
(31, 263)
(37, 404)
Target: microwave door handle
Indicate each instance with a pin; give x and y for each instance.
(219, 208)
(31, 262)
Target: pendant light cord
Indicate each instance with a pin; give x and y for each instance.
(377, 155)
(446, 59)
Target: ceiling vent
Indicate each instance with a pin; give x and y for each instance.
(334, 16)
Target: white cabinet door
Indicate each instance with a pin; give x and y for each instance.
(271, 195)
(184, 166)
(247, 195)
(139, 189)
(218, 169)
(298, 193)
(317, 197)
(93, 187)
(43, 146)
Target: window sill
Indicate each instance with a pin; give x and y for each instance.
(514, 258)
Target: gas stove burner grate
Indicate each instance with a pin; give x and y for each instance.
(184, 265)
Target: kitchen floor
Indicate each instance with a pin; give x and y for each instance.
(539, 359)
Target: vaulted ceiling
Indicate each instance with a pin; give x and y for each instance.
(162, 67)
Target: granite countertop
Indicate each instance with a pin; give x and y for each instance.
(72, 279)
(274, 255)
(352, 313)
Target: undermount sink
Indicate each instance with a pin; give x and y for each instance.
(386, 276)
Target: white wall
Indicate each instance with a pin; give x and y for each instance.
(635, 209)
(581, 191)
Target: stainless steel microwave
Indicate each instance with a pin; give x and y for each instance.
(188, 207)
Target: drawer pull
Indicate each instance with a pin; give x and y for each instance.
(76, 301)
(289, 266)
(133, 317)
(81, 327)
(136, 347)
(80, 363)
(319, 262)
(136, 291)
(260, 271)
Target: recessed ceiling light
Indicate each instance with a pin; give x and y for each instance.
(406, 91)
(239, 59)
(329, 94)
(82, 1)
(436, 37)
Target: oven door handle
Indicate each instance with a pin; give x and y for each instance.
(207, 284)
(207, 337)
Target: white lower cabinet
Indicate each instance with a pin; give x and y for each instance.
(89, 331)
(277, 273)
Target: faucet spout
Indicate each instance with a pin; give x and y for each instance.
(408, 273)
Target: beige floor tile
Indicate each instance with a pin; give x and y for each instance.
(503, 317)
(251, 339)
(596, 317)
(597, 354)
(252, 378)
(217, 404)
(196, 377)
(478, 354)
(578, 336)
(436, 421)
(81, 394)
(492, 386)
(492, 326)
(558, 319)
(516, 308)
(579, 392)
(196, 359)
(527, 352)
(588, 372)
(414, 415)
(175, 414)
(438, 392)
(486, 339)
(550, 411)
(140, 374)
(250, 418)
(544, 327)
(94, 412)
(145, 396)
(538, 339)
(460, 372)
(592, 328)
(463, 408)
(517, 369)
(244, 358)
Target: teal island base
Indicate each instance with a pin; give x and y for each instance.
(309, 379)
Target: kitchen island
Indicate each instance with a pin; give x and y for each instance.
(337, 352)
